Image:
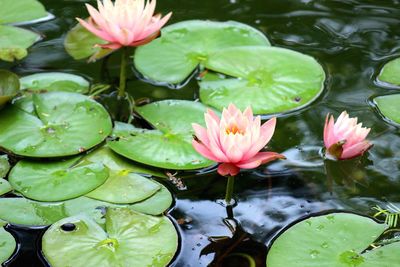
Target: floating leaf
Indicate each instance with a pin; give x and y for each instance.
(129, 239)
(184, 45)
(80, 44)
(57, 181)
(63, 124)
(9, 86)
(390, 73)
(55, 81)
(388, 106)
(156, 204)
(7, 245)
(4, 166)
(337, 239)
(5, 187)
(169, 145)
(15, 41)
(17, 11)
(269, 79)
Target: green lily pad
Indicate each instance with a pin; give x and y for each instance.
(390, 73)
(55, 81)
(169, 145)
(5, 187)
(57, 181)
(123, 186)
(337, 239)
(80, 44)
(184, 45)
(4, 166)
(269, 79)
(388, 106)
(63, 124)
(21, 11)
(15, 41)
(7, 245)
(156, 204)
(9, 86)
(129, 239)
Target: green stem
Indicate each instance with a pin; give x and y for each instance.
(229, 190)
(122, 75)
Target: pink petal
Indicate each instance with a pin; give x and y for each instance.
(201, 134)
(94, 30)
(225, 169)
(112, 46)
(266, 132)
(329, 139)
(356, 150)
(204, 151)
(260, 158)
(233, 153)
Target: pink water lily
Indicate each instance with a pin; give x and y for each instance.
(235, 140)
(125, 22)
(345, 138)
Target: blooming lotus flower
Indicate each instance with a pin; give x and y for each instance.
(235, 140)
(345, 139)
(124, 23)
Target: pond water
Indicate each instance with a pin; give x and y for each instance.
(351, 39)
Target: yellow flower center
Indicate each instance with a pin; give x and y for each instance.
(234, 129)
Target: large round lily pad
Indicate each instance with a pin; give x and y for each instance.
(169, 144)
(123, 186)
(62, 124)
(390, 73)
(269, 79)
(55, 81)
(7, 244)
(80, 44)
(184, 45)
(12, 11)
(15, 41)
(388, 106)
(337, 239)
(57, 181)
(9, 86)
(129, 239)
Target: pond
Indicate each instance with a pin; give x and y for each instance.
(351, 39)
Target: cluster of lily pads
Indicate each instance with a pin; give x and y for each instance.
(92, 179)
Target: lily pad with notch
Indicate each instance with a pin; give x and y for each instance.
(184, 46)
(336, 239)
(390, 73)
(269, 79)
(169, 144)
(55, 81)
(9, 86)
(56, 181)
(128, 239)
(7, 244)
(21, 11)
(388, 106)
(61, 124)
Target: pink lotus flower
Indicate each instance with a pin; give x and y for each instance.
(124, 23)
(235, 140)
(345, 139)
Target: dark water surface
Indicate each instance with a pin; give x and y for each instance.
(351, 39)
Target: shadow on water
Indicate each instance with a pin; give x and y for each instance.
(352, 39)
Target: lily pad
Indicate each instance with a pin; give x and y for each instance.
(21, 11)
(80, 44)
(57, 181)
(4, 166)
(388, 106)
(156, 204)
(337, 239)
(186, 45)
(269, 79)
(9, 86)
(169, 144)
(123, 186)
(15, 41)
(63, 124)
(55, 81)
(7, 245)
(390, 73)
(5, 187)
(129, 239)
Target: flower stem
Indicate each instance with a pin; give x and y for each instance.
(229, 190)
(122, 75)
